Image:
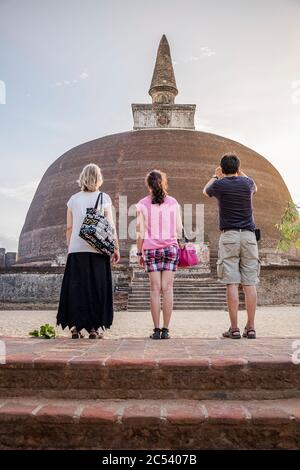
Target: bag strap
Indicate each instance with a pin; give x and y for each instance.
(100, 196)
(183, 236)
(186, 239)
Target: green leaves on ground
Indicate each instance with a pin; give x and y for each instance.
(46, 331)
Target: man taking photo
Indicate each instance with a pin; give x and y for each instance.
(238, 261)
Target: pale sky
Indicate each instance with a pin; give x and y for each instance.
(72, 68)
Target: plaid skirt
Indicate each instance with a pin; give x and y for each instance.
(162, 259)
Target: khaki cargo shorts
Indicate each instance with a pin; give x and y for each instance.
(238, 261)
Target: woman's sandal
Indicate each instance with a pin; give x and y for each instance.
(76, 334)
(94, 334)
(232, 333)
(156, 333)
(165, 333)
(249, 333)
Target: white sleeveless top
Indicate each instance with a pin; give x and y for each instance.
(78, 204)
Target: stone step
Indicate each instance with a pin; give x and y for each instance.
(137, 393)
(146, 308)
(181, 295)
(181, 272)
(193, 290)
(183, 286)
(176, 279)
(188, 300)
(182, 299)
(146, 300)
(190, 285)
(180, 308)
(180, 305)
(142, 368)
(189, 308)
(184, 290)
(185, 299)
(149, 424)
(181, 279)
(184, 294)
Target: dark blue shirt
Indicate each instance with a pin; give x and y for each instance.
(234, 194)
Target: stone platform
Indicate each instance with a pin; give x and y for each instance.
(140, 394)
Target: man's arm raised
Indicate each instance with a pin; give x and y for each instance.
(218, 175)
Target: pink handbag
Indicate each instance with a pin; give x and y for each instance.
(187, 256)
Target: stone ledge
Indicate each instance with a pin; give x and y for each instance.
(152, 424)
(138, 368)
(42, 362)
(131, 411)
(23, 352)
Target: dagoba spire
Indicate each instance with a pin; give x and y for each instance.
(163, 113)
(163, 87)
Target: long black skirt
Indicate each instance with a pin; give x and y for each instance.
(86, 298)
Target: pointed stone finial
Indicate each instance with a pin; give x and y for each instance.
(163, 87)
(163, 113)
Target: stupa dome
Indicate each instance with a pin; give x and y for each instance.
(188, 158)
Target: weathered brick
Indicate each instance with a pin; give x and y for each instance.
(224, 412)
(50, 363)
(86, 362)
(130, 362)
(20, 361)
(187, 362)
(225, 362)
(58, 413)
(268, 415)
(13, 411)
(100, 414)
(185, 413)
(142, 414)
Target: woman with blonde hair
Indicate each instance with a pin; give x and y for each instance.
(159, 226)
(86, 299)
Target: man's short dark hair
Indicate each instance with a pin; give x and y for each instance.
(230, 163)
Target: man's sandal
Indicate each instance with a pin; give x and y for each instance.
(156, 333)
(232, 333)
(249, 333)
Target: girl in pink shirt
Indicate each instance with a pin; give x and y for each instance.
(159, 226)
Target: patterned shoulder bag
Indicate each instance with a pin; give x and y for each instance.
(96, 229)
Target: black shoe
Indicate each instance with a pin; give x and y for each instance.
(165, 333)
(156, 333)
